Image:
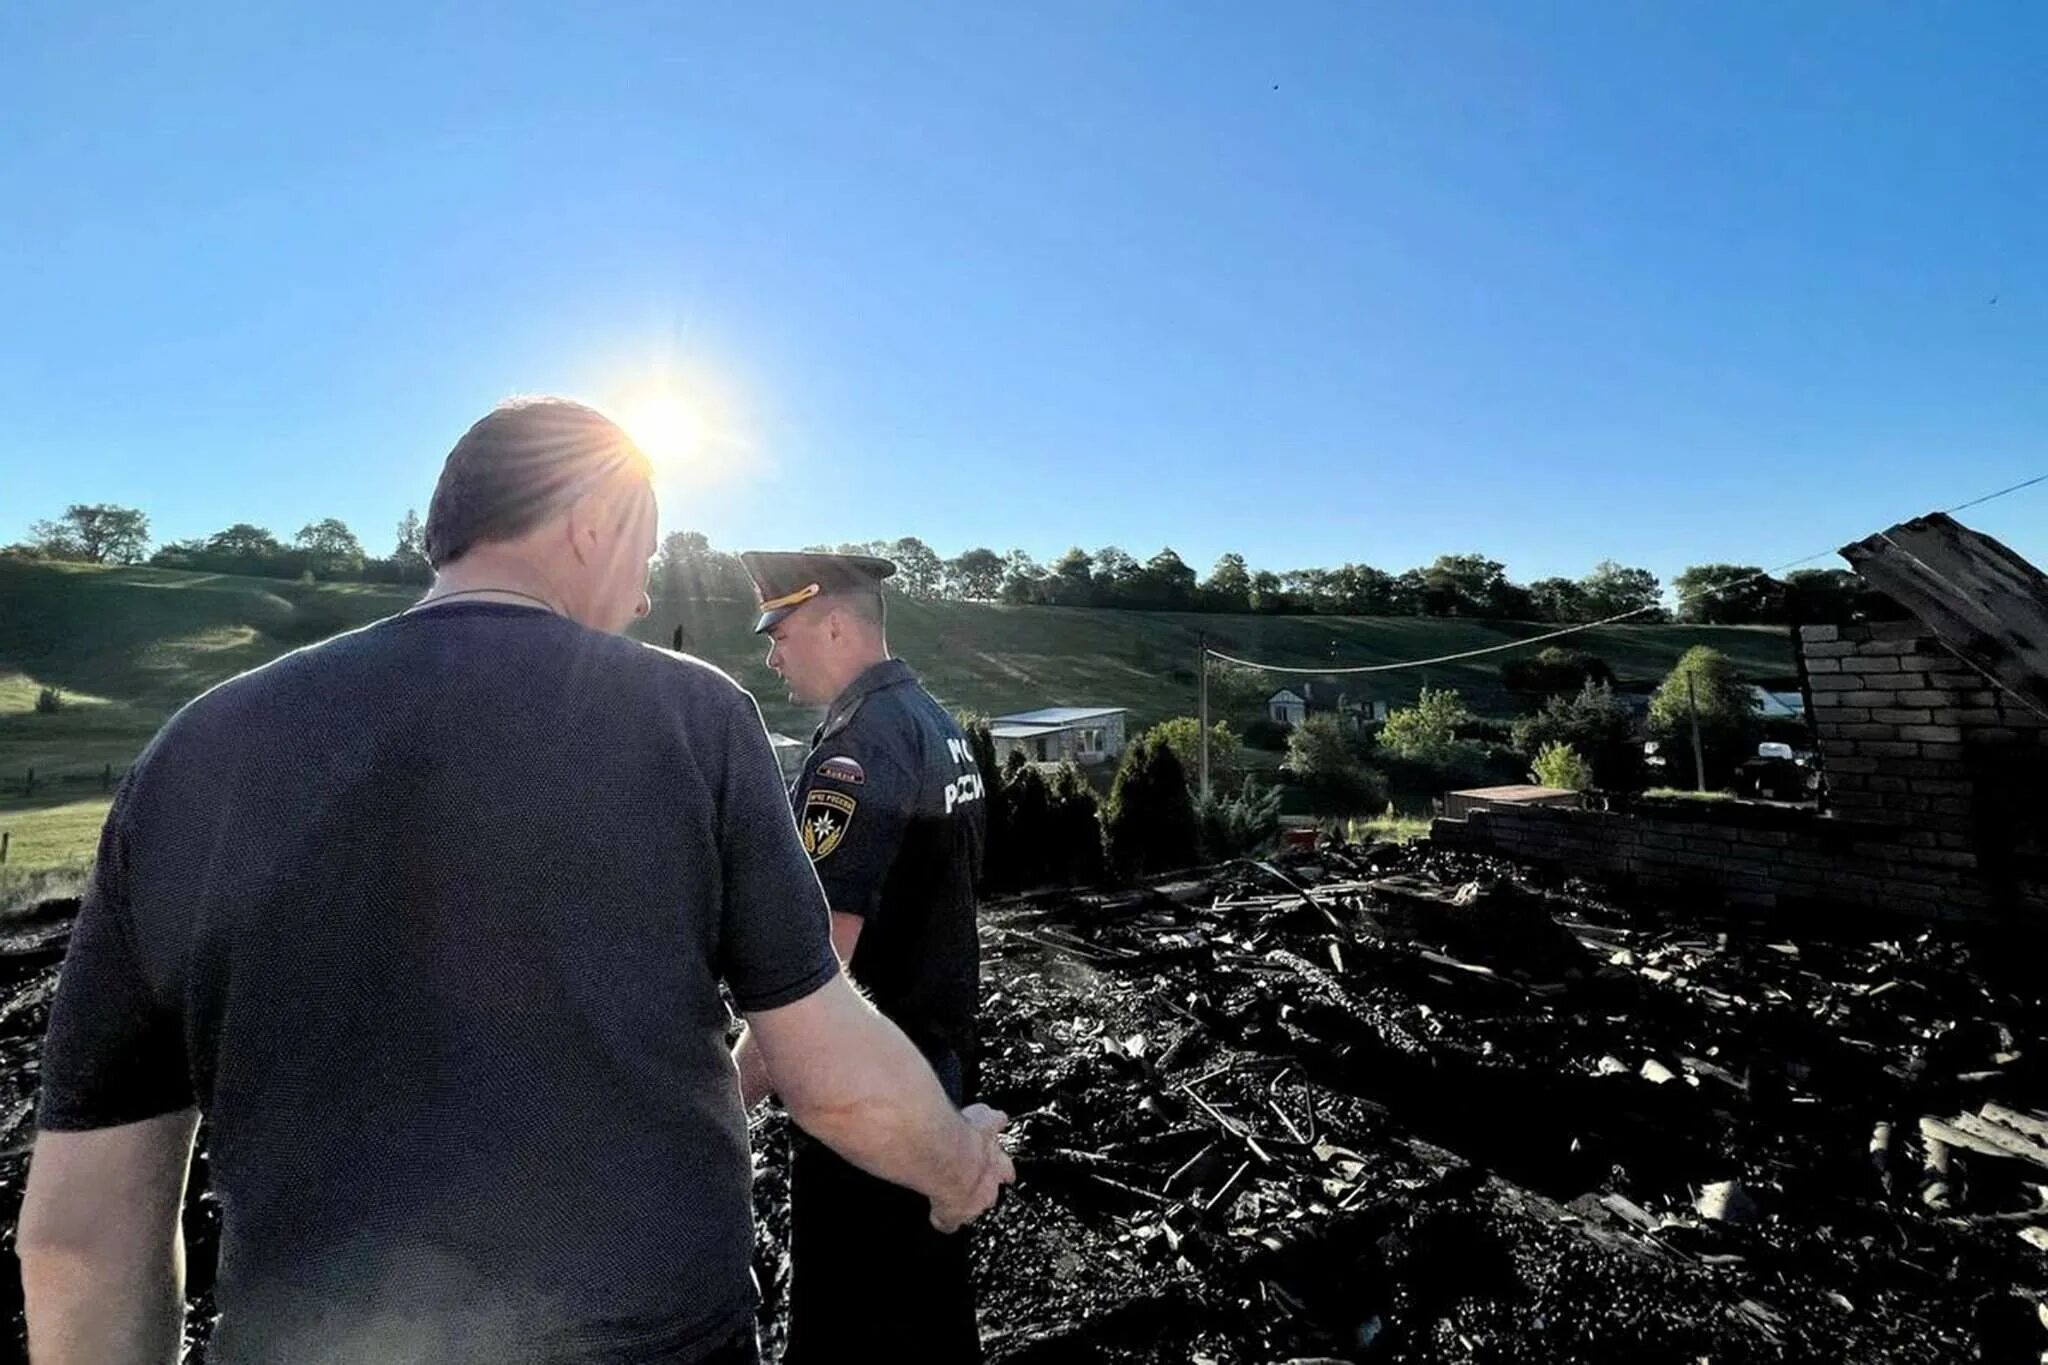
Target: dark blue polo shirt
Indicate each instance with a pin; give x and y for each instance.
(430, 920)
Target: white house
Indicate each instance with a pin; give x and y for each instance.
(1294, 704)
(1086, 734)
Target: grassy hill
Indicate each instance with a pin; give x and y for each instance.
(128, 646)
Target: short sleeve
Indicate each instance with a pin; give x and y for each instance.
(856, 800)
(113, 1053)
(775, 939)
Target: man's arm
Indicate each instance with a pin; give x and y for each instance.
(853, 1081)
(101, 1247)
(755, 1083)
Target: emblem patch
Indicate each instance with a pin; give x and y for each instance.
(826, 818)
(840, 768)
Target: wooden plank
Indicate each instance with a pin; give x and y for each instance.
(1977, 597)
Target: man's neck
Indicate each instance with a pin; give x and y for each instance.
(479, 576)
(857, 668)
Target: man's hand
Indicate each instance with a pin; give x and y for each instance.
(987, 1169)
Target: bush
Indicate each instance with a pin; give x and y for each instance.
(1236, 825)
(1559, 765)
(1706, 681)
(1427, 733)
(1320, 760)
(1555, 672)
(1073, 827)
(1183, 734)
(1597, 726)
(1267, 734)
(1149, 819)
(49, 701)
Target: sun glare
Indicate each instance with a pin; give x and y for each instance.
(668, 428)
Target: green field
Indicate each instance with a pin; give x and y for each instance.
(128, 646)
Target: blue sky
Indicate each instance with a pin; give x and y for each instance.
(1312, 282)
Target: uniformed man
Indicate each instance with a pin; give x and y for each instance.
(890, 807)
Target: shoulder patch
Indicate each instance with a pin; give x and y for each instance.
(824, 821)
(840, 768)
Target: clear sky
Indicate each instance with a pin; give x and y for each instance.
(1667, 282)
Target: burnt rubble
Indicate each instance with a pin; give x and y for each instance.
(1407, 1105)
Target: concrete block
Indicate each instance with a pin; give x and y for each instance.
(1874, 663)
(1812, 649)
(1851, 764)
(1903, 715)
(1932, 734)
(1867, 697)
(1887, 748)
(1818, 635)
(1923, 697)
(1832, 682)
(1938, 786)
(1952, 752)
(1819, 666)
(1897, 647)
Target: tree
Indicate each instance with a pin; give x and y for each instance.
(1228, 586)
(1028, 819)
(1149, 818)
(1554, 672)
(1235, 689)
(1320, 760)
(1468, 585)
(1598, 726)
(1427, 732)
(1165, 583)
(99, 533)
(331, 549)
(1559, 599)
(1268, 595)
(1728, 595)
(244, 540)
(1557, 764)
(919, 570)
(976, 575)
(1612, 589)
(1362, 590)
(1023, 581)
(1073, 826)
(411, 549)
(1183, 735)
(1073, 579)
(1704, 682)
(1116, 574)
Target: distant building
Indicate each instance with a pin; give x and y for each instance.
(1294, 704)
(1774, 705)
(1086, 734)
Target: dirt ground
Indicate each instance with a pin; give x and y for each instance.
(1398, 1105)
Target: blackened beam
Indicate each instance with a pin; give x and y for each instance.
(1979, 598)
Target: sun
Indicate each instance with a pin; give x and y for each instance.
(669, 428)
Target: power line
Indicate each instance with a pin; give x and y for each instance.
(1583, 626)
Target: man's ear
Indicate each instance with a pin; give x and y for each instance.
(583, 517)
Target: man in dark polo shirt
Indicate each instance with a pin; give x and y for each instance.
(889, 806)
(429, 922)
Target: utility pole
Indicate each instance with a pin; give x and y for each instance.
(1202, 672)
(1699, 762)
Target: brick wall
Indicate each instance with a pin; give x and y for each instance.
(1936, 800)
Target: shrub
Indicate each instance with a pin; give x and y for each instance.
(1183, 734)
(49, 701)
(1236, 825)
(1555, 672)
(1559, 765)
(1597, 726)
(1149, 818)
(1704, 681)
(1320, 759)
(1073, 827)
(1267, 734)
(995, 841)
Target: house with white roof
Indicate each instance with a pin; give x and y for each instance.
(1086, 734)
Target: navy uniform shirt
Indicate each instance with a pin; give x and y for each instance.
(890, 807)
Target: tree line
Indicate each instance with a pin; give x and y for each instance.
(1469, 586)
